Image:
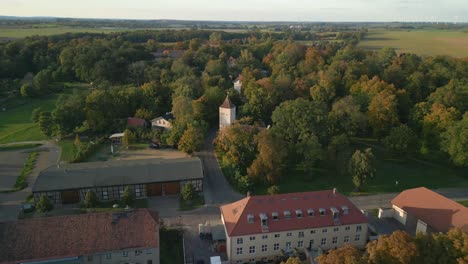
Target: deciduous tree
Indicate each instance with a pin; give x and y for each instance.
(361, 167)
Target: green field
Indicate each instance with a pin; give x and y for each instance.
(47, 31)
(427, 43)
(390, 168)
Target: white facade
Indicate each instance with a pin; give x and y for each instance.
(400, 215)
(238, 86)
(227, 114)
(162, 123)
(135, 255)
(268, 245)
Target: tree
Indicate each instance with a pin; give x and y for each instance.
(268, 165)
(35, 114)
(44, 204)
(27, 90)
(90, 200)
(400, 139)
(69, 112)
(455, 141)
(144, 114)
(274, 189)
(128, 138)
(344, 255)
(42, 80)
(397, 248)
(382, 112)
(292, 260)
(77, 141)
(192, 140)
(361, 167)
(346, 116)
(46, 124)
(127, 196)
(188, 192)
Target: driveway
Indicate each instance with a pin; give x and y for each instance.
(11, 164)
(216, 188)
(10, 203)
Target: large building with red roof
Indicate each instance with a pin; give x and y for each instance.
(104, 238)
(258, 228)
(422, 210)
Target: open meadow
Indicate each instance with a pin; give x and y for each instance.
(426, 43)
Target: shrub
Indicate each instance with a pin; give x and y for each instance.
(274, 189)
(188, 192)
(44, 204)
(90, 200)
(127, 197)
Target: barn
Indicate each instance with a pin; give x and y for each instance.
(69, 183)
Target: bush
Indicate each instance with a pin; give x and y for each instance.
(27, 90)
(44, 204)
(127, 197)
(401, 139)
(90, 200)
(188, 192)
(274, 189)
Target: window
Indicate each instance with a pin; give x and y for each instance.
(335, 240)
(124, 254)
(276, 247)
(336, 229)
(301, 234)
(274, 215)
(252, 249)
(345, 209)
(105, 196)
(323, 241)
(277, 235)
(250, 218)
(149, 261)
(90, 258)
(299, 213)
(288, 234)
(322, 211)
(264, 248)
(357, 237)
(358, 228)
(311, 243)
(148, 251)
(108, 256)
(300, 244)
(312, 231)
(240, 262)
(239, 251)
(287, 214)
(347, 228)
(240, 241)
(346, 239)
(138, 252)
(288, 245)
(121, 192)
(252, 260)
(137, 192)
(310, 212)
(265, 237)
(252, 238)
(324, 230)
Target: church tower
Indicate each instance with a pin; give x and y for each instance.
(227, 113)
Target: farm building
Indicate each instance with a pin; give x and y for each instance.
(69, 183)
(163, 122)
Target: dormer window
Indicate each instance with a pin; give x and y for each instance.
(250, 218)
(287, 214)
(345, 209)
(264, 219)
(274, 215)
(299, 213)
(335, 212)
(322, 211)
(310, 212)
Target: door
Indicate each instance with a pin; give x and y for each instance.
(154, 189)
(171, 188)
(70, 197)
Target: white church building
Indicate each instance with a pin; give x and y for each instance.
(227, 113)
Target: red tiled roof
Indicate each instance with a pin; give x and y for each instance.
(76, 235)
(135, 122)
(236, 221)
(227, 103)
(437, 211)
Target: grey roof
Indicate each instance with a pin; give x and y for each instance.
(117, 172)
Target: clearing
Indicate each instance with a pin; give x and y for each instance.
(426, 43)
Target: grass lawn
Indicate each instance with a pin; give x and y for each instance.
(464, 203)
(19, 146)
(67, 149)
(427, 42)
(171, 246)
(197, 202)
(390, 168)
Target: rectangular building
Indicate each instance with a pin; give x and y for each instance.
(69, 183)
(100, 238)
(259, 228)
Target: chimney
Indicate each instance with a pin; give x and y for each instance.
(334, 191)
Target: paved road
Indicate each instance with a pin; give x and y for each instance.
(216, 189)
(10, 203)
(383, 200)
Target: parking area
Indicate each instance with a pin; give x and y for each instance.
(11, 164)
(384, 226)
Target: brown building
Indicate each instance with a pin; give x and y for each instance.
(260, 228)
(69, 183)
(422, 210)
(124, 237)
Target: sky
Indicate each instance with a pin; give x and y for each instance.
(246, 10)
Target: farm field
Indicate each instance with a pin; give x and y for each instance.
(47, 31)
(427, 43)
